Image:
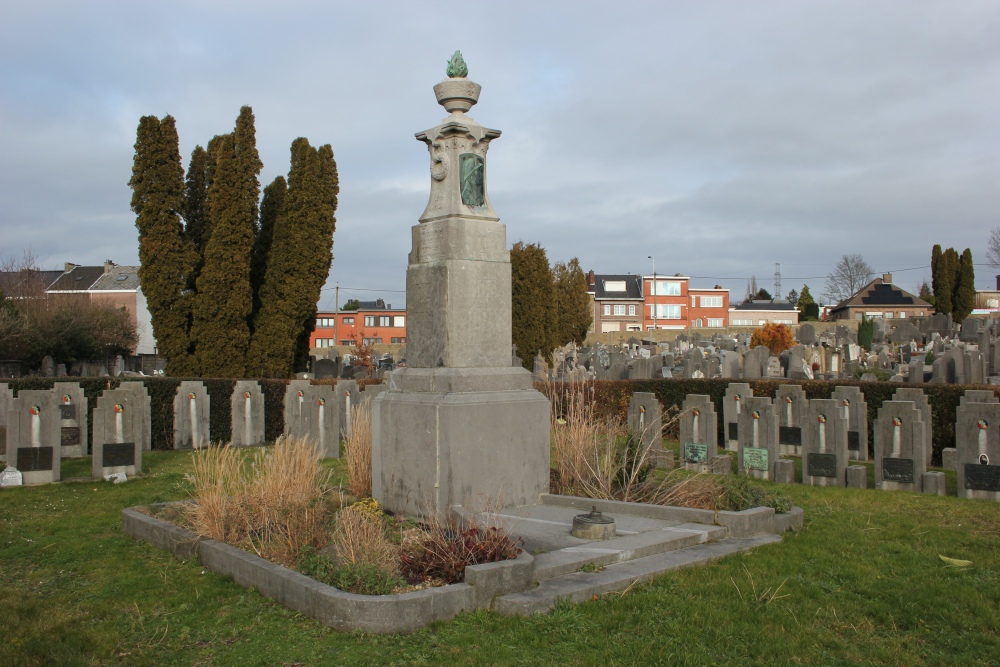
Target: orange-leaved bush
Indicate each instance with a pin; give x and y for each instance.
(776, 337)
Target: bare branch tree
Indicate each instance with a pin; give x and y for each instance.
(850, 274)
(993, 248)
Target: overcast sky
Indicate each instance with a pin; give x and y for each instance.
(718, 137)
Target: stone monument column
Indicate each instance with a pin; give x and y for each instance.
(458, 425)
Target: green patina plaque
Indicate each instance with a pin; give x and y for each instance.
(695, 452)
(456, 66)
(755, 458)
(471, 167)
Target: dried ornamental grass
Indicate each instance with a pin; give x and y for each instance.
(360, 538)
(273, 502)
(359, 451)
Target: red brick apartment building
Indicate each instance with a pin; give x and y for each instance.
(376, 321)
(669, 302)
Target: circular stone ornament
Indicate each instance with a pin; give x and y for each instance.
(593, 526)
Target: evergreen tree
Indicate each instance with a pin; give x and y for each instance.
(533, 302)
(793, 298)
(271, 209)
(223, 306)
(351, 304)
(297, 264)
(762, 295)
(196, 196)
(944, 280)
(166, 255)
(807, 305)
(925, 293)
(573, 305)
(866, 332)
(964, 299)
(936, 255)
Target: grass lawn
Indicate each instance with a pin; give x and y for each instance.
(861, 584)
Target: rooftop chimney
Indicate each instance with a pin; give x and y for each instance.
(69, 266)
(887, 278)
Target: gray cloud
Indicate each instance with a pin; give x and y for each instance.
(719, 137)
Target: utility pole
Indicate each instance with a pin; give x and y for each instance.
(652, 290)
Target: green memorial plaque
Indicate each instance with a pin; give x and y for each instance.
(471, 167)
(755, 458)
(695, 452)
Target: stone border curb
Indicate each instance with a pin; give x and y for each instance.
(404, 612)
(747, 523)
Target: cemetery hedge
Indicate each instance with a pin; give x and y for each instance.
(612, 398)
(161, 398)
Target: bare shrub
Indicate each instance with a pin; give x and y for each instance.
(446, 546)
(273, 502)
(359, 451)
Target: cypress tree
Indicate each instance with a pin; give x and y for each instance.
(272, 207)
(196, 196)
(166, 255)
(964, 299)
(533, 302)
(944, 280)
(573, 305)
(298, 262)
(807, 305)
(220, 328)
(936, 267)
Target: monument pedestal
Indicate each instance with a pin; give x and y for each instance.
(441, 448)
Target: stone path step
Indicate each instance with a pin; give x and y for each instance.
(580, 586)
(625, 548)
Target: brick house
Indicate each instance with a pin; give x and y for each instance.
(759, 313)
(669, 302)
(377, 321)
(617, 300)
(881, 299)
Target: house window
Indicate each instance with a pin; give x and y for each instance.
(347, 342)
(398, 321)
(715, 323)
(888, 315)
(902, 315)
(348, 320)
(668, 312)
(742, 323)
(372, 341)
(619, 309)
(385, 321)
(614, 285)
(398, 340)
(631, 309)
(711, 302)
(607, 309)
(696, 324)
(668, 288)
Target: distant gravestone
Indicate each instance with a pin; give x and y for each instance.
(73, 418)
(970, 330)
(699, 434)
(324, 419)
(732, 406)
(900, 460)
(917, 396)
(824, 445)
(758, 438)
(33, 436)
(325, 369)
(854, 409)
(142, 404)
(118, 427)
(977, 438)
(755, 362)
(191, 416)
(48, 368)
(247, 412)
(806, 335)
(791, 404)
(774, 369)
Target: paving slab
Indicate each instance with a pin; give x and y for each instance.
(582, 586)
